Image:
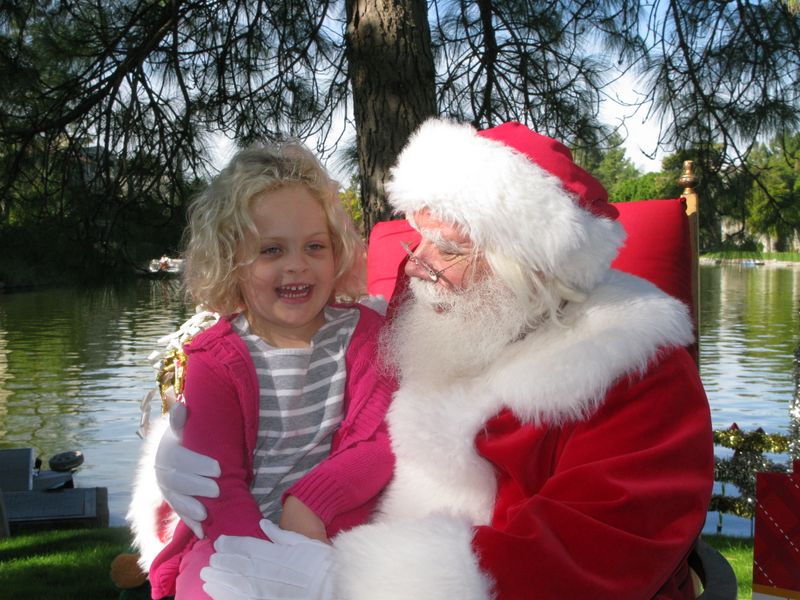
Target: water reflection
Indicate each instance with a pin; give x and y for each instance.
(749, 335)
(749, 331)
(73, 370)
(73, 364)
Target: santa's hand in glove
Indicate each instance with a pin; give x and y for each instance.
(290, 566)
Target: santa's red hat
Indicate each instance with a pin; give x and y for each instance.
(514, 192)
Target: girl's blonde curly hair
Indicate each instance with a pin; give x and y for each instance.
(221, 238)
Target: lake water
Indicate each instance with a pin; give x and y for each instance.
(73, 366)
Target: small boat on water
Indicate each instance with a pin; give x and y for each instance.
(751, 262)
(166, 265)
(162, 268)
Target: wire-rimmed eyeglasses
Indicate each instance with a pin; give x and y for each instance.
(433, 274)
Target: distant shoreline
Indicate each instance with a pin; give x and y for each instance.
(748, 262)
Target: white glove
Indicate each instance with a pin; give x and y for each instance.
(182, 473)
(290, 567)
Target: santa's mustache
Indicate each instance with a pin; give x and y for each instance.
(439, 334)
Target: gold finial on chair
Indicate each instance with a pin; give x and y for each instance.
(688, 178)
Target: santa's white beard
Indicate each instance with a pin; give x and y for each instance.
(438, 335)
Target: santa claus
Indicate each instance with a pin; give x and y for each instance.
(551, 432)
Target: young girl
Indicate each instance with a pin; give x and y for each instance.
(282, 390)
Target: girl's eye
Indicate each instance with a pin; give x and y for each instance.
(271, 250)
(316, 246)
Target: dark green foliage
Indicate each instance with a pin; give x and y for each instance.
(643, 187)
(773, 204)
(106, 108)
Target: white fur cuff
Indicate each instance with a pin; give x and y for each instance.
(143, 513)
(424, 559)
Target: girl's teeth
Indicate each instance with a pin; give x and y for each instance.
(294, 291)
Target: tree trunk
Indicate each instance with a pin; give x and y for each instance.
(392, 77)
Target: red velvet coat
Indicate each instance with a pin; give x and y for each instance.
(579, 465)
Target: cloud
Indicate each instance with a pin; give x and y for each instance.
(621, 108)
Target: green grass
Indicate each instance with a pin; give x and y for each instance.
(739, 553)
(62, 565)
(74, 564)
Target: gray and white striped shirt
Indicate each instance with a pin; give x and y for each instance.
(301, 404)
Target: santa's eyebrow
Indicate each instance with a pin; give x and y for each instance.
(442, 243)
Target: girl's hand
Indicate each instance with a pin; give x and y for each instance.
(297, 517)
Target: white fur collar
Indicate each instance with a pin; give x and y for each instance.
(561, 373)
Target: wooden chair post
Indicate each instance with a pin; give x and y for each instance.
(689, 180)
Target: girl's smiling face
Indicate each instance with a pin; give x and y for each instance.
(292, 280)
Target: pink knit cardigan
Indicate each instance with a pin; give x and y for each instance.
(223, 400)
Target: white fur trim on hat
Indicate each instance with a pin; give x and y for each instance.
(504, 202)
